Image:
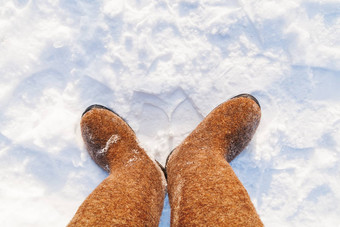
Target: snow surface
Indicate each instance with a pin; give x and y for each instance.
(163, 65)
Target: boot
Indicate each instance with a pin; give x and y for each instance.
(203, 189)
(134, 191)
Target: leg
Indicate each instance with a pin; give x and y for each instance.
(134, 191)
(203, 189)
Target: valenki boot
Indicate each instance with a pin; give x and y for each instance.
(134, 191)
(203, 189)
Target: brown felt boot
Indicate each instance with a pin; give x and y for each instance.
(134, 191)
(203, 189)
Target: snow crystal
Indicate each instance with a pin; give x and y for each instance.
(113, 139)
(134, 158)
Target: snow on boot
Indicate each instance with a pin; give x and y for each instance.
(134, 191)
(203, 189)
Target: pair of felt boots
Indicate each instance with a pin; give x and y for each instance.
(203, 189)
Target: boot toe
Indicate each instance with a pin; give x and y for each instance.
(96, 106)
(249, 96)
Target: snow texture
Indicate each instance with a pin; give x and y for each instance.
(164, 65)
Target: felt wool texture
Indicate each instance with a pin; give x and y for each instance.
(203, 189)
(134, 191)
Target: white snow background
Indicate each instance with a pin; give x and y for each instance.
(163, 65)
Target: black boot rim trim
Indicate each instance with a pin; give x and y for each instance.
(98, 106)
(167, 160)
(163, 169)
(249, 96)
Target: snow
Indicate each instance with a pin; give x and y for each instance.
(163, 66)
(112, 140)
